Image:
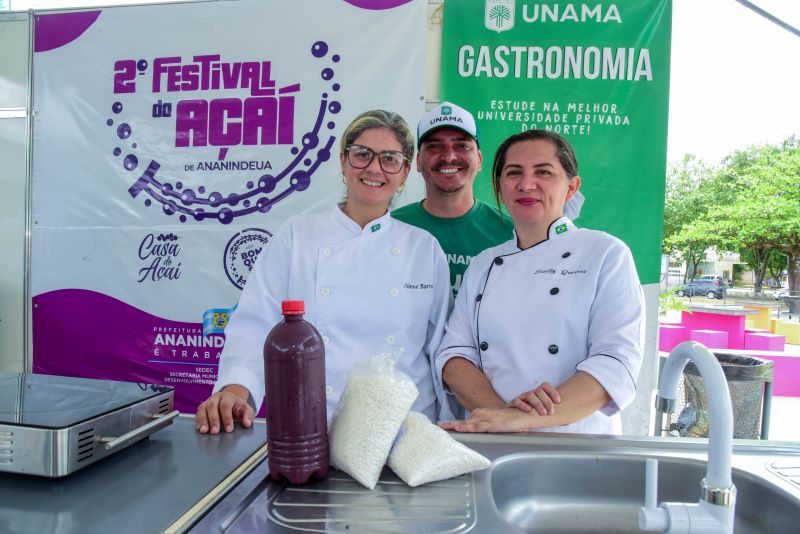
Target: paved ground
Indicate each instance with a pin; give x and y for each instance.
(784, 423)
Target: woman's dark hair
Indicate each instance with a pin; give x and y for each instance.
(566, 155)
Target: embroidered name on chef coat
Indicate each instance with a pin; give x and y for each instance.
(562, 272)
(409, 285)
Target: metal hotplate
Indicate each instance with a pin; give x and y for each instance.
(54, 425)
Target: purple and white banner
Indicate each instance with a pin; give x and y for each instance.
(170, 143)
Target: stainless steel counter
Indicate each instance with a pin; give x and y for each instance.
(142, 489)
(537, 483)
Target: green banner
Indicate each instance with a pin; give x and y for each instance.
(595, 72)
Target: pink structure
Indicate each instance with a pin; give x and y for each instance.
(670, 336)
(786, 378)
(729, 321)
(764, 341)
(713, 339)
(755, 331)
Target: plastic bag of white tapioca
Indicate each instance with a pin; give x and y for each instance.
(424, 453)
(372, 423)
(372, 407)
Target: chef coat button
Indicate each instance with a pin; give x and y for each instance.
(394, 292)
(395, 251)
(326, 340)
(390, 340)
(484, 345)
(498, 261)
(327, 251)
(566, 255)
(479, 297)
(554, 291)
(325, 291)
(553, 349)
(329, 390)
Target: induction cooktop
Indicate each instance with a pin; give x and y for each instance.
(55, 425)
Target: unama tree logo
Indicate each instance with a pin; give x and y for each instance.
(265, 117)
(499, 15)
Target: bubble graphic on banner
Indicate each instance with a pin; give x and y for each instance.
(310, 140)
(130, 162)
(300, 180)
(319, 49)
(188, 197)
(267, 183)
(193, 203)
(117, 151)
(225, 215)
(110, 122)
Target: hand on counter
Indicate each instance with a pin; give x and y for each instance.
(542, 399)
(494, 420)
(227, 405)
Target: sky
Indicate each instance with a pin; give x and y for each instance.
(734, 78)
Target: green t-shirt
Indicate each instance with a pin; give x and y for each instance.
(463, 237)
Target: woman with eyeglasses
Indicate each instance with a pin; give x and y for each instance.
(371, 284)
(547, 329)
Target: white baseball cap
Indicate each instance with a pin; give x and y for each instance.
(447, 115)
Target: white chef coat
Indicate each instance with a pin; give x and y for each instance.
(570, 303)
(383, 288)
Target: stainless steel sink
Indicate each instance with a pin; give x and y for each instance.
(584, 493)
(555, 483)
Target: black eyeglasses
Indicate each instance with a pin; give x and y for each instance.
(391, 161)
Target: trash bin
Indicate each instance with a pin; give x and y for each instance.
(750, 383)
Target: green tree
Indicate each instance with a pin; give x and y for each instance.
(764, 214)
(684, 200)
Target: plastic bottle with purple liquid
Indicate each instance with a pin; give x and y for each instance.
(297, 422)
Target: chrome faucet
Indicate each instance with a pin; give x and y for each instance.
(714, 513)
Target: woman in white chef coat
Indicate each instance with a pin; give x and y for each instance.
(371, 284)
(547, 329)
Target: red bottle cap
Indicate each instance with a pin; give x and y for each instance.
(292, 307)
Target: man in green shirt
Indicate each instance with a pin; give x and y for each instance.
(449, 158)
